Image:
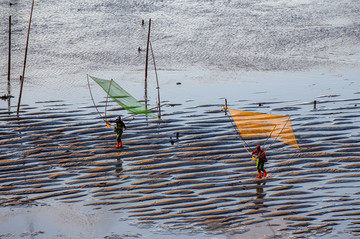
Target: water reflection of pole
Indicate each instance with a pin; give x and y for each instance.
(9, 64)
(26, 49)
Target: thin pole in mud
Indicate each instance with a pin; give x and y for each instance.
(92, 98)
(9, 55)
(9, 64)
(157, 81)
(26, 49)
(146, 63)
(225, 106)
(314, 104)
(107, 98)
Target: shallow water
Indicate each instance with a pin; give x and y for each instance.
(58, 157)
(70, 39)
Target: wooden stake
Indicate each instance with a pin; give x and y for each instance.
(225, 106)
(9, 66)
(9, 55)
(26, 49)
(157, 82)
(314, 104)
(146, 64)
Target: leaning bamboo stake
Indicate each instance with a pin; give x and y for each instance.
(107, 98)
(26, 49)
(157, 82)
(9, 55)
(146, 64)
(9, 66)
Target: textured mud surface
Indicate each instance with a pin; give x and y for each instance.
(203, 181)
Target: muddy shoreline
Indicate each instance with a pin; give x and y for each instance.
(203, 183)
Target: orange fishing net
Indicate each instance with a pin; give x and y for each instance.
(251, 124)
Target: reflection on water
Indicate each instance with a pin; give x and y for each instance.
(119, 167)
(259, 201)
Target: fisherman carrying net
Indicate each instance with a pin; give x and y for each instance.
(119, 129)
(260, 160)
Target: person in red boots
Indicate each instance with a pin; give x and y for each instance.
(119, 129)
(260, 162)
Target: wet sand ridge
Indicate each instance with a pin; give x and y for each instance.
(204, 181)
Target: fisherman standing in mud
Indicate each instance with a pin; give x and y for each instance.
(119, 129)
(260, 161)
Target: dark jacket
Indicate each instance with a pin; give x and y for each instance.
(260, 153)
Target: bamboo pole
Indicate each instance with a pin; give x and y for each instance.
(157, 81)
(226, 106)
(9, 66)
(26, 49)
(107, 98)
(9, 55)
(146, 64)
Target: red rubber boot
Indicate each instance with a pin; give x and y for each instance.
(265, 173)
(259, 176)
(120, 145)
(117, 145)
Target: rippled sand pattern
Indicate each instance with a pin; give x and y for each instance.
(205, 180)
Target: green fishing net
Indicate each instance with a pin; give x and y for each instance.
(122, 97)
